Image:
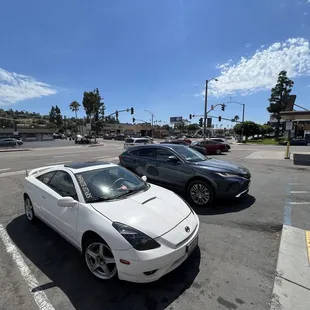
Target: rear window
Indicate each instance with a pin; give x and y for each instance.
(129, 141)
(143, 141)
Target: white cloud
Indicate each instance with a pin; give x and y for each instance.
(16, 87)
(259, 72)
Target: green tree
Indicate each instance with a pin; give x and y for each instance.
(111, 120)
(236, 118)
(193, 127)
(74, 107)
(266, 129)
(279, 98)
(52, 116)
(58, 117)
(94, 108)
(248, 129)
(165, 127)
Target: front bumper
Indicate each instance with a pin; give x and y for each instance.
(149, 266)
(233, 187)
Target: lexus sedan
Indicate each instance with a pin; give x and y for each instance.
(121, 224)
(183, 169)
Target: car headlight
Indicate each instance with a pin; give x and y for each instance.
(226, 174)
(136, 238)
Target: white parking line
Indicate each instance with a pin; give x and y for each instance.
(301, 203)
(39, 296)
(5, 169)
(8, 174)
(299, 192)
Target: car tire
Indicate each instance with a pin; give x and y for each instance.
(96, 252)
(202, 187)
(218, 152)
(29, 212)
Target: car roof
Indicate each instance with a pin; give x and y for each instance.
(157, 145)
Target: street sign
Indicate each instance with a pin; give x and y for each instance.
(289, 125)
(176, 119)
(209, 122)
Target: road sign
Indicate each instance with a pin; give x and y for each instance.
(176, 119)
(289, 125)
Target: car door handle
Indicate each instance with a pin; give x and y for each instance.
(43, 197)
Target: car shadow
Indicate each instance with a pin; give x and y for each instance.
(225, 206)
(64, 266)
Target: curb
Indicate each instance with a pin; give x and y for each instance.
(291, 288)
(96, 145)
(14, 150)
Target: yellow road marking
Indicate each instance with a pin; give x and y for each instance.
(308, 244)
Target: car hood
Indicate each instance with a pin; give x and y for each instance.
(223, 166)
(153, 212)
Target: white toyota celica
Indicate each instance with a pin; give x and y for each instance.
(122, 225)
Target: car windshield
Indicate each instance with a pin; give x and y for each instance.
(189, 154)
(109, 183)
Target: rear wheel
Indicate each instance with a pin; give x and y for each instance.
(218, 151)
(200, 193)
(29, 212)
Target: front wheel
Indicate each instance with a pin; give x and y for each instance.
(200, 193)
(100, 260)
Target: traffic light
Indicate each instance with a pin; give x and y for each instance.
(220, 118)
(212, 107)
(190, 116)
(116, 114)
(133, 120)
(132, 111)
(200, 122)
(223, 107)
(209, 122)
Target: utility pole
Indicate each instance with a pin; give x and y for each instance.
(152, 120)
(243, 111)
(206, 107)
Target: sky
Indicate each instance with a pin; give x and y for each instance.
(153, 55)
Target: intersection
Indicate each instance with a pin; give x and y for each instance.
(234, 267)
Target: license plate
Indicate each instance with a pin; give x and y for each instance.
(192, 246)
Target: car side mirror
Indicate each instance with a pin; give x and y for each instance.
(67, 202)
(144, 178)
(173, 159)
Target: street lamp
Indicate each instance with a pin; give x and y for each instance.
(152, 120)
(243, 110)
(206, 106)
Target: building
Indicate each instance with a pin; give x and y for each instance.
(28, 134)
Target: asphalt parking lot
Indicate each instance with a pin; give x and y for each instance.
(233, 268)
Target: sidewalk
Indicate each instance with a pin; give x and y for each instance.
(292, 282)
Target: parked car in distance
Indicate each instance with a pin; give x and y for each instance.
(212, 147)
(120, 137)
(121, 224)
(183, 169)
(199, 149)
(108, 137)
(131, 142)
(82, 139)
(10, 142)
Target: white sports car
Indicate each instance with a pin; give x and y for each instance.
(121, 224)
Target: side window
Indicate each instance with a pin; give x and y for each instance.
(143, 152)
(46, 177)
(163, 154)
(129, 141)
(62, 184)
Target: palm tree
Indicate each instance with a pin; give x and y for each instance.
(236, 117)
(74, 107)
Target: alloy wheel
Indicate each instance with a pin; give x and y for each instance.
(100, 260)
(200, 194)
(29, 209)
(218, 152)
